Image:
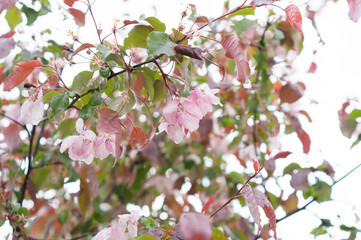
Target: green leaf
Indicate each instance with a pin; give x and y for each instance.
(124, 103)
(356, 113)
(103, 50)
(30, 14)
(96, 99)
(86, 112)
(247, 11)
(59, 102)
(116, 58)
(323, 191)
(147, 76)
(160, 43)
(156, 23)
(218, 235)
(80, 82)
(145, 237)
(243, 25)
(104, 72)
(66, 128)
(159, 91)
(289, 169)
(137, 37)
(348, 126)
(73, 175)
(13, 17)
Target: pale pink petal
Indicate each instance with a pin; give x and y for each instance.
(90, 135)
(67, 142)
(36, 112)
(25, 110)
(75, 150)
(110, 144)
(192, 109)
(104, 234)
(175, 132)
(79, 125)
(188, 122)
(170, 110)
(162, 126)
(211, 93)
(88, 160)
(202, 101)
(101, 151)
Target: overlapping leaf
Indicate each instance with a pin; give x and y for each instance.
(255, 198)
(195, 226)
(160, 43)
(20, 74)
(236, 50)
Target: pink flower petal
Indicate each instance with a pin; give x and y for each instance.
(175, 132)
(67, 142)
(79, 125)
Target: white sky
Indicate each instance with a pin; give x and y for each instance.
(337, 78)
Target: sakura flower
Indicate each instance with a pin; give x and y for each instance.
(184, 112)
(174, 131)
(32, 110)
(105, 145)
(81, 147)
(127, 227)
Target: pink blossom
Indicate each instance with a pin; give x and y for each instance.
(81, 147)
(126, 228)
(105, 145)
(32, 110)
(174, 131)
(184, 112)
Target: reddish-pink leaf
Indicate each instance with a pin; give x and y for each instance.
(313, 68)
(78, 15)
(209, 203)
(7, 43)
(195, 226)
(31, 190)
(81, 48)
(342, 115)
(201, 21)
(255, 165)
(299, 180)
(305, 140)
(355, 9)
(290, 93)
(70, 2)
(128, 22)
(20, 74)
(1, 73)
(294, 17)
(281, 155)
(108, 121)
(11, 135)
(255, 198)
(6, 4)
(52, 80)
(236, 50)
(137, 137)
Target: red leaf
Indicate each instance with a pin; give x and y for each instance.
(195, 226)
(20, 74)
(6, 4)
(11, 135)
(78, 15)
(138, 85)
(31, 190)
(7, 43)
(108, 121)
(299, 180)
(128, 22)
(255, 198)
(52, 80)
(137, 137)
(209, 203)
(81, 48)
(255, 165)
(1, 73)
(313, 68)
(290, 93)
(189, 51)
(70, 2)
(305, 140)
(236, 50)
(294, 17)
(342, 115)
(281, 155)
(201, 21)
(355, 9)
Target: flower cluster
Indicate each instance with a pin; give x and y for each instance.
(87, 145)
(183, 114)
(126, 228)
